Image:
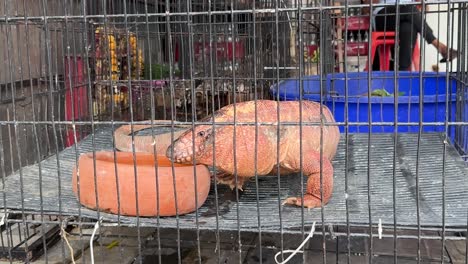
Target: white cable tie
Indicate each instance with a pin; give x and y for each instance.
(380, 228)
(297, 250)
(96, 226)
(2, 221)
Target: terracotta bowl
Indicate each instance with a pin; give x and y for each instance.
(146, 178)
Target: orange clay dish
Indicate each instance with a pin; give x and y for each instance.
(146, 177)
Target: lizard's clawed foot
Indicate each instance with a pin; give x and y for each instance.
(240, 185)
(229, 179)
(310, 201)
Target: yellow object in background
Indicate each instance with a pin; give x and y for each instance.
(111, 40)
(132, 40)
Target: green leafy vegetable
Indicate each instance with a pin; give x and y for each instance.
(158, 71)
(384, 93)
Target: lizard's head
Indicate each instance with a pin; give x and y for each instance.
(193, 144)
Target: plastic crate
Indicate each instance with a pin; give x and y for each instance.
(356, 22)
(333, 95)
(356, 48)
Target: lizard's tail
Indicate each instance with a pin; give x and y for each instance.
(123, 139)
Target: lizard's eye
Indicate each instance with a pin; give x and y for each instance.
(201, 133)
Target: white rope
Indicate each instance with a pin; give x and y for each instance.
(380, 228)
(297, 250)
(2, 221)
(64, 236)
(96, 226)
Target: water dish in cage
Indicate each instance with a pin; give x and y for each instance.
(146, 143)
(148, 192)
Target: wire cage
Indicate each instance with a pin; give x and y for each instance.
(101, 102)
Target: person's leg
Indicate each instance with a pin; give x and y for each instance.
(407, 38)
(410, 14)
(385, 19)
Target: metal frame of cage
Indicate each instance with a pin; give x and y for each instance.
(277, 23)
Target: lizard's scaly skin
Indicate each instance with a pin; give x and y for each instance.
(288, 156)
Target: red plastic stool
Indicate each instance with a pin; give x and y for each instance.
(385, 42)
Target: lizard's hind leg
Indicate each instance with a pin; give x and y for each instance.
(311, 167)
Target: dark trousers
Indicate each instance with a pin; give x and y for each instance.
(410, 25)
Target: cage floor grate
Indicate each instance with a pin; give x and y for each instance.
(244, 214)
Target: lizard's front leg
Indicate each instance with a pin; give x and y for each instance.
(229, 179)
(311, 167)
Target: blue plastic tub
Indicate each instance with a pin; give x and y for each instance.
(289, 89)
(461, 134)
(433, 101)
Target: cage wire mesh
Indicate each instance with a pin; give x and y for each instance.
(99, 93)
